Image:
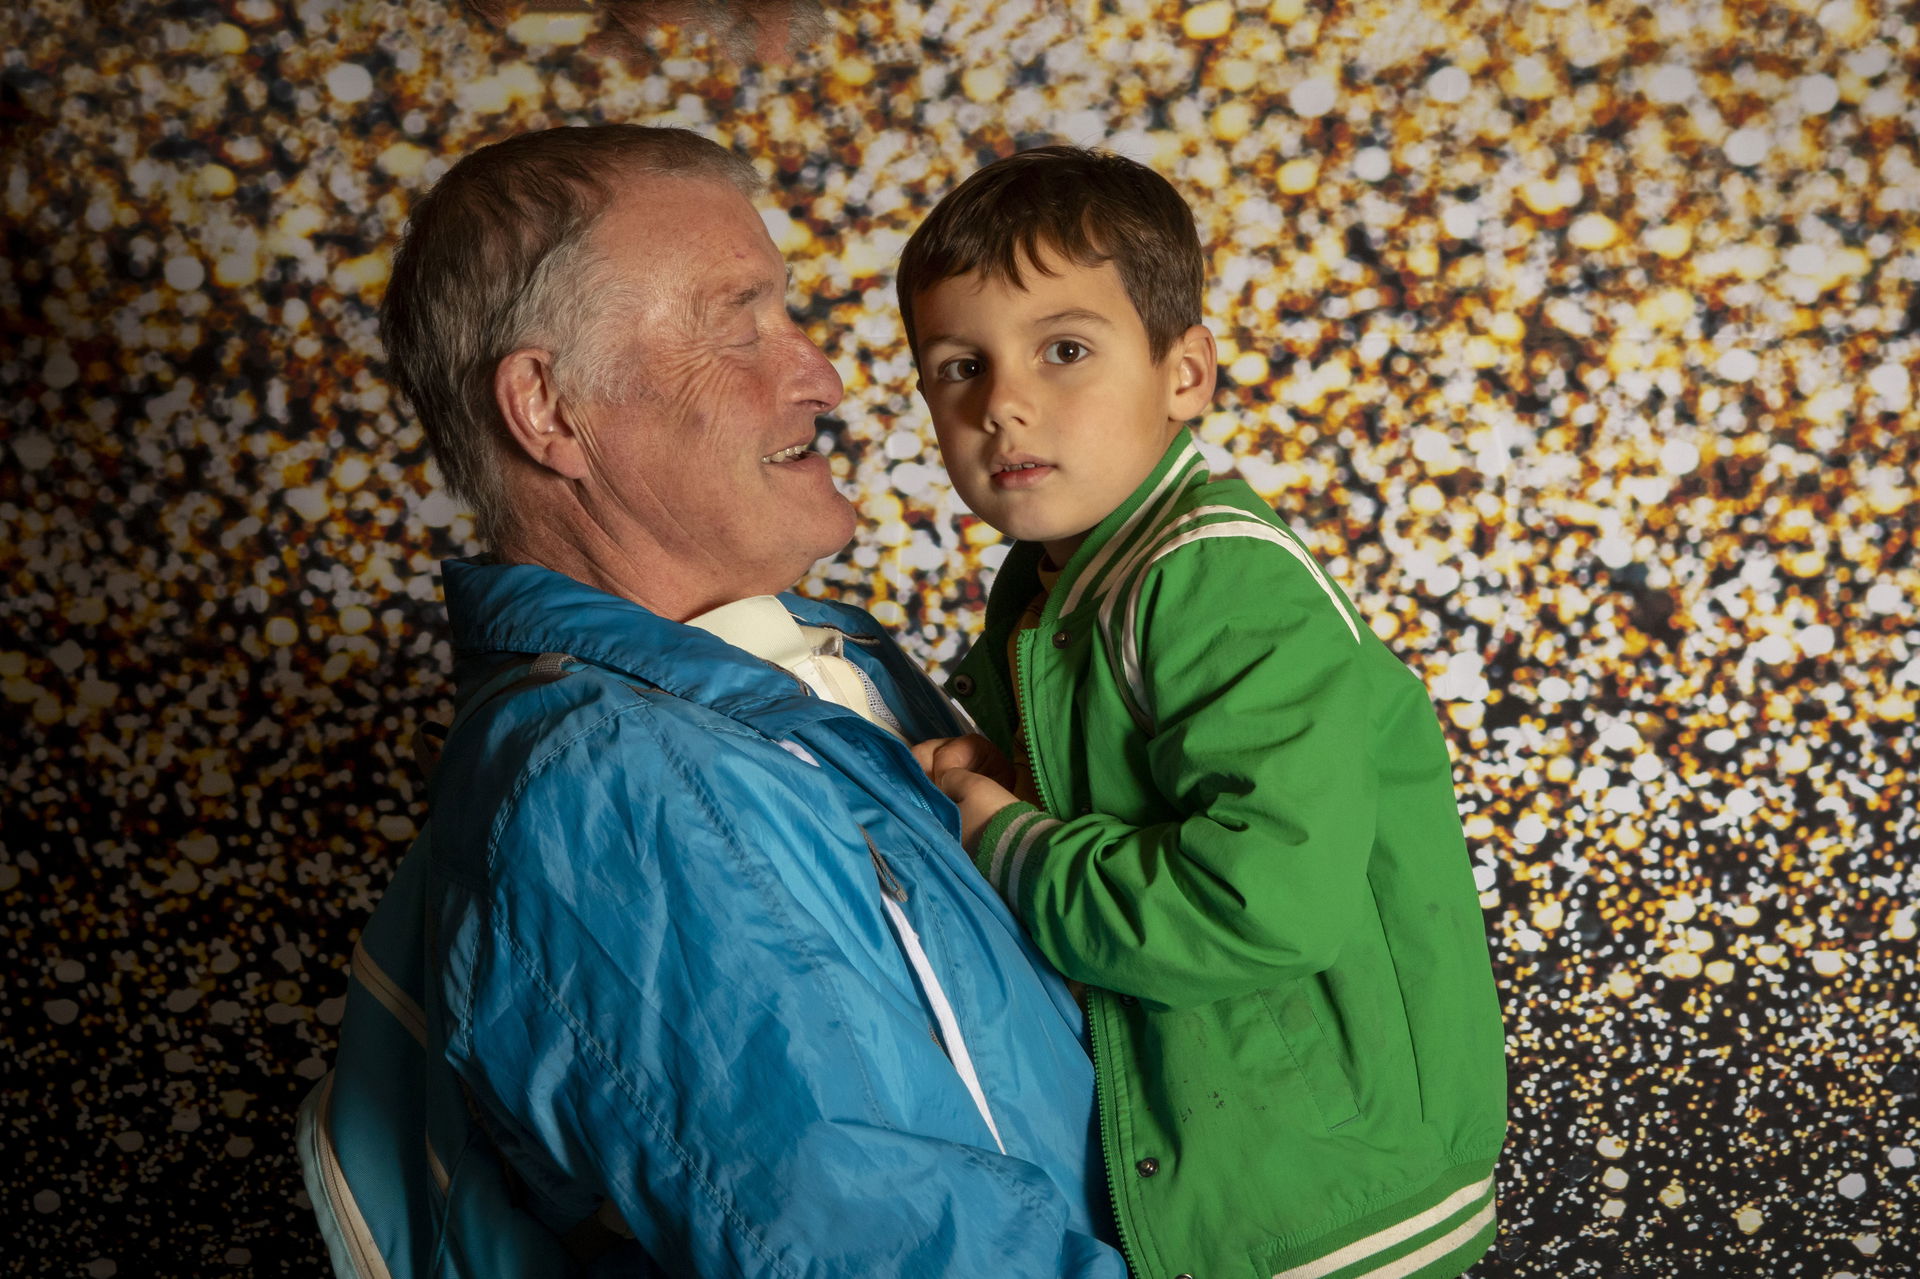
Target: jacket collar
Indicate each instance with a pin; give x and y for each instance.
(523, 608)
(1104, 558)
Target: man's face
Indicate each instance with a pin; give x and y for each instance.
(711, 453)
(1047, 403)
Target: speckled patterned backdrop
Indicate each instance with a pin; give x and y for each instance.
(1578, 337)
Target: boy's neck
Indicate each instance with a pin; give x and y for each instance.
(1061, 550)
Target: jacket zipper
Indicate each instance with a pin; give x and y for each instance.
(946, 1029)
(1105, 1108)
(1104, 1105)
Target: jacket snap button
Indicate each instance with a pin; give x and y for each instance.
(1061, 639)
(1183, 1277)
(963, 686)
(1128, 1001)
(1148, 1166)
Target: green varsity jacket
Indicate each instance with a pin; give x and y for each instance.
(1249, 849)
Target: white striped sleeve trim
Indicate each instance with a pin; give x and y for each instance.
(956, 1044)
(1020, 855)
(1176, 476)
(385, 989)
(1130, 670)
(1003, 848)
(1402, 1231)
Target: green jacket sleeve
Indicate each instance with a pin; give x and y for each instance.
(1259, 684)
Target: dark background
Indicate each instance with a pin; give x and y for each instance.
(1578, 338)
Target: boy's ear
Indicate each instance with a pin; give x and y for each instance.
(538, 421)
(1193, 369)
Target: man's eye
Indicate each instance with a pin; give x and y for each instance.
(958, 369)
(1065, 351)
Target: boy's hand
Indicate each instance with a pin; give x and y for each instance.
(973, 752)
(973, 774)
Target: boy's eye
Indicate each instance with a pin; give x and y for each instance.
(1065, 351)
(958, 369)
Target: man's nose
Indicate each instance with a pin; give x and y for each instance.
(815, 381)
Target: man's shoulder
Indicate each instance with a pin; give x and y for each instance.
(581, 732)
(593, 716)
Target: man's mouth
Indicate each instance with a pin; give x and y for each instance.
(1001, 468)
(793, 454)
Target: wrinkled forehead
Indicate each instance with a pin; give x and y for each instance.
(689, 240)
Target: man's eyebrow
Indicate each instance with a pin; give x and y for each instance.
(746, 295)
(735, 296)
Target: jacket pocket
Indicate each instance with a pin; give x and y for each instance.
(1315, 1056)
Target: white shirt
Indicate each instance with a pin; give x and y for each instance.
(761, 625)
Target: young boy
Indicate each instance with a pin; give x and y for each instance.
(1224, 806)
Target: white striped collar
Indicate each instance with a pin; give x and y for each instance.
(1094, 568)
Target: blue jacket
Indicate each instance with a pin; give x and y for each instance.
(665, 967)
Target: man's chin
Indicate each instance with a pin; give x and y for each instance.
(828, 532)
(848, 525)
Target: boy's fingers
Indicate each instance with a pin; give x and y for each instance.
(927, 753)
(983, 757)
(951, 781)
(972, 752)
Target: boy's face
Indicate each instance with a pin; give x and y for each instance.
(1048, 406)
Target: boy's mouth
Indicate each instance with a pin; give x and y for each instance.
(1022, 473)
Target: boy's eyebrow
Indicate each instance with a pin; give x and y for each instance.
(1072, 315)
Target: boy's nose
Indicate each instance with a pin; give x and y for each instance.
(1007, 403)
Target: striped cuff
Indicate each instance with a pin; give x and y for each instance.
(1010, 846)
(1438, 1242)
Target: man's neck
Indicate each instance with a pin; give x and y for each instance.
(637, 569)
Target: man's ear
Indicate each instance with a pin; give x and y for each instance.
(1192, 370)
(538, 421)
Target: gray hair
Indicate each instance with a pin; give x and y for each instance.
(497, 257)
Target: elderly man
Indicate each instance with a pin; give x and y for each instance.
(704, 966)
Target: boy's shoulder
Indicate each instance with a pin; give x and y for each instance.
(1220, 541)
(1224, 491)
(1221, 512)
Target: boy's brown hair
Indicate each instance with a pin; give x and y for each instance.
(1087, 206)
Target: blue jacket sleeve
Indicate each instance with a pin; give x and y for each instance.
(668, 977)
